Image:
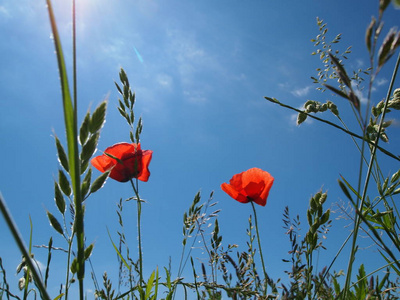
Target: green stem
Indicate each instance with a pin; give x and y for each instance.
(70, 240)
(331, 264)
(139, 213)
(259, 247)
(78, 206)
(273, 100)
(75, 85)
(358, 219)
(73, 151)
(21, 245)
(309, 257)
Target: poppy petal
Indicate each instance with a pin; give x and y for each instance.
(254, 189)
(234, 193)
(265, 193)
(103, 163)
(146, 158)
(251, 185)
(129, 162)
(121, 149)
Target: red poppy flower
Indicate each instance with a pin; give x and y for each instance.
(131, 162)
(251, 185)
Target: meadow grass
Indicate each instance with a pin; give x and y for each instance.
(226, 272)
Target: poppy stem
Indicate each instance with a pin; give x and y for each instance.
(266, 278)
(139, 212)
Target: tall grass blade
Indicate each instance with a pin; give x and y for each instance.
(73, 152)
(119, 253)
(21, 245)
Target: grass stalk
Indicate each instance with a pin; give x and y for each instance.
(21, 245)
(70, 240)
(358, 219)
(70, 118)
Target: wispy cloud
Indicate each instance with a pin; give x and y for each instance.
(195, 96)
(115, 49)
(301, 92)
(359, 93)
(164, 80)
(381, 81)
(192, 63)
(359, 63)
(4, 12)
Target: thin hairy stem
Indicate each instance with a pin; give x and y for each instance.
(259, 246)
(139, 213)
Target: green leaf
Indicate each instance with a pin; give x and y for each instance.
(84, 166)
(99, 182)
(131, 137)
(98, 118)
(64, 183)
(118, 253)
(132, 98)
(88, 251)
(396, 191)
(126, 94)
(123, 113)
(341, 71)
(351, 188)
(395, 176)
(325, 217)
(139, 128)
(121, 105)
(336, 286)
(59, 296)
(337, 91)
(149, 285)
(84, 130)
(156, 286)
(59, 198)
(345, 190)
(89, 148)
(118, 88)
(123, 77)
(391, 263)
(309, 217)
(301, 118)
(54, 223)
(385, 185)
(74, 266)
(131, 117)
(168, 278)
(62, 157)
(49, 247)
(383, 4)
(385, 52)
(86, 183)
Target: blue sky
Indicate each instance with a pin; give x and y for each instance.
(200, 70)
